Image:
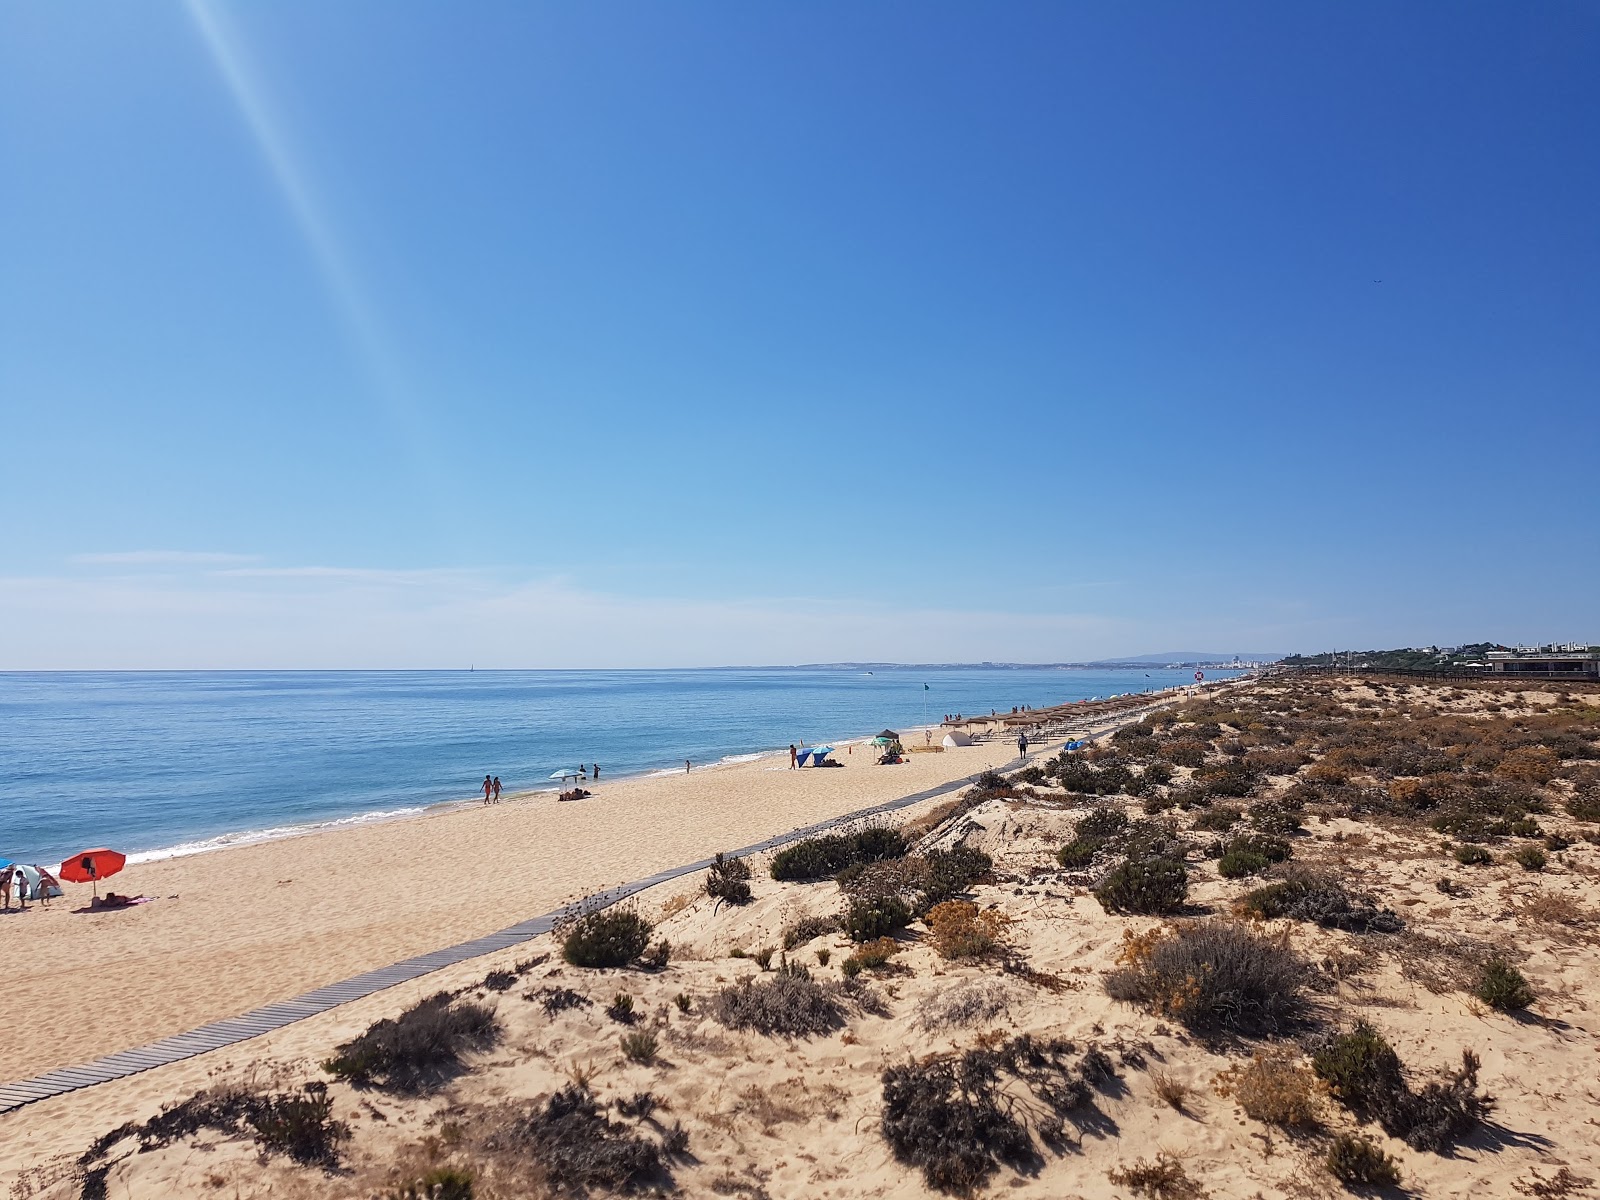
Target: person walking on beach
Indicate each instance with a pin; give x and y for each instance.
(686, 766)
(488, 788)
(1022, 745)
(497, 789)
(794, 757)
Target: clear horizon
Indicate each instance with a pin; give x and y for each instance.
(544, 336)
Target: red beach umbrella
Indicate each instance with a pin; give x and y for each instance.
(92, 866)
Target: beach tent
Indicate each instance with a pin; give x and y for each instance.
(815, 754)
(36, 883)
(957, 737)
(888, 735)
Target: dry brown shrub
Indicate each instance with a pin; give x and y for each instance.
(1275, 1087)
(1163, 1179)
(1529, 764)
(1170, 1090)
(961, 929)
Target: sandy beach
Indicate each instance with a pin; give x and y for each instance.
(241, 927)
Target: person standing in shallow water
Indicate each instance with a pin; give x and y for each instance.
(497, 789)
(488, 788)
(595, 772)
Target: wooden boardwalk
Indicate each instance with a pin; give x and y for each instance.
(286, 1012)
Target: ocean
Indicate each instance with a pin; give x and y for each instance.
(162, 764)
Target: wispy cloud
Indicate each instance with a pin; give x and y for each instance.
(161, 558)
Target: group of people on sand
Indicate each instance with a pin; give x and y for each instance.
(491, 783)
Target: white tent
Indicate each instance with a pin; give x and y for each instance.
(956, 737)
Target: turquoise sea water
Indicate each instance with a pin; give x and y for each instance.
(156, 763)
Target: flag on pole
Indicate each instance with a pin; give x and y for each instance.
(924, 687)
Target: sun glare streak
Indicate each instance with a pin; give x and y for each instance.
(348, 297)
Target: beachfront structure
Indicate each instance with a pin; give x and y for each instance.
(1565, 662)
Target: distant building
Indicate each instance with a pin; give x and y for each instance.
(1566, 663)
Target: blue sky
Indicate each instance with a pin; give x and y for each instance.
(631, 334)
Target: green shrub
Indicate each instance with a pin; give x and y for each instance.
(1320, 897)
(1361, 1162)
(825, 857)
(1102, 823)
(579, 1150)
(1530, 858)
(763, 957)
(1079, 852)
(947, 874)
(1556, 843)
(1251, 854)
(1469, 855)
(1275, 817)
(1219, 819)
(729, 879)
(871, 917)
(417, 1050)
(1360, 1068)
(604, 937)
(1502, 986)
(823, 955)
(1152, 886)
(1363, 1072)
(640, 1046)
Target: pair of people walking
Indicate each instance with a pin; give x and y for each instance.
(491, 789)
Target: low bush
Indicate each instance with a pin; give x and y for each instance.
(603, 937)
(1102, 823)
(1364, 1073)
(1274, 1087)
(1153, 886)
(791, 1003)
(620, 1009)
(1213, 975)
(1556, 843)
(952, 1117)
(871, 917)
(1361, 1162)
(1219, 819)
(1185, 752)
(1319, 897)
(1585, 806)
(973, 1002)
(807, 929)
(947, 874)
(825, 857)
(1502, 986)
(299, 1124)
(962, 930)
(1079, 852)
(640, 1046)
(418, 1050)
(1469, 855)
(871, 956)
(1276, 817)
(441, 1183)
(763, 957)
(729, 879)
(1161, 1179)
(1530, 858)
(580, 1150)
